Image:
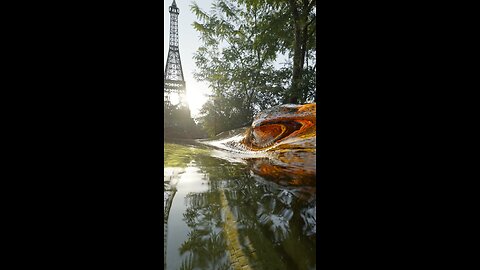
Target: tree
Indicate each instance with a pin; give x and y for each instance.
(299, 17)
(238, 68)
(241, 44)
(177, 122)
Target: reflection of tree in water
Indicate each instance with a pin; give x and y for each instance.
(187, 264)
(205, 241)
(277, 222)
(270, 216)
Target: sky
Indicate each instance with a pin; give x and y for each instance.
(189, 41)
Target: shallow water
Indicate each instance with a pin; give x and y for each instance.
(221, 214)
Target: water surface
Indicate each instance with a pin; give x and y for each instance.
(221, 214)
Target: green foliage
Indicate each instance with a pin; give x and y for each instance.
(177, 123)
(242, 41)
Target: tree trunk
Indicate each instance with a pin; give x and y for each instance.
(301, 36)
(293, 96)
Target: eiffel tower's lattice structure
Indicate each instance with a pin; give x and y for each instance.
(173, 81)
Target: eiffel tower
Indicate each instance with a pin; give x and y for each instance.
(173, 81)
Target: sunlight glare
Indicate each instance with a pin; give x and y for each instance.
(174, 98)
(197, 95)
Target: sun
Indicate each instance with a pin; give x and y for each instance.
(197, 95)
